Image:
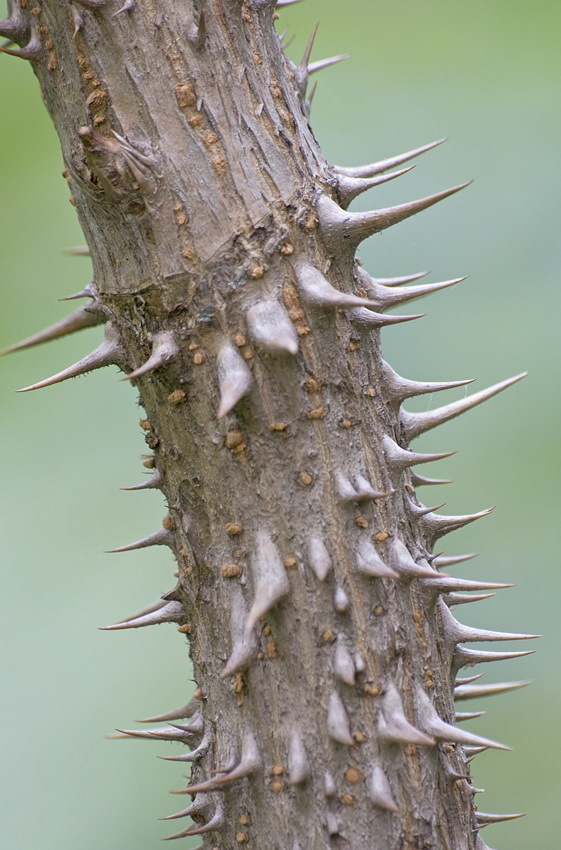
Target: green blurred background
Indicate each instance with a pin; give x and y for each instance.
(486, 74)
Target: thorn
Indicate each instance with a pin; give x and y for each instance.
(456, 632)
(379, 791)
(163, 733)
(313, 67)
(298, 764)
(421, 480)
(162, 537)
(417, 423)
(451, 584)
(164, 349)
(78, 251)
(399, 458)
(188, 710)
(234, 378)
(128, 6)
(249, 763)
(84, 317)
(88, 291)
(244, 641)
(441, 562)
(343, 665)
(270, 326)
(386, 300)
(435, 525)
(469, 657)
(340, 226)
(385, 164)
(269, 578)
(329, 787)
(216, 822)
(302, 69)
(172, 612)
(154, 482)
(282, 3)
(441, 731)
(400, 388)
(337, 720)
(393, 724)
(399, 281)
(199, 804)
(315, 289)
(464, 716)
(404, 563)
(477, 691)
(484, 818)
(452, 599)
(365, 491)
(194, 754)
(194, 728)
(107, 354)
(378, 320)
(349, 188)
(319, 558)
(32, 49)
(369, 562)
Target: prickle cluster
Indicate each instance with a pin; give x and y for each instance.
(352, 543)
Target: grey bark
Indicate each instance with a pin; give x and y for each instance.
(319, 627)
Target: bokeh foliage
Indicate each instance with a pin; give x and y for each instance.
(486, 74)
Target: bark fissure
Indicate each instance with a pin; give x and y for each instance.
(306, 584)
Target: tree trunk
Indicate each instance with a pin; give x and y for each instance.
(319, 625)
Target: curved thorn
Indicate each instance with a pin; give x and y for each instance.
(166, 733)
(369, 317)
(387, 300)
(87, 292)
(464, 716)
(107, 354)
(452, 599)
(32, 49)
(188, 710)
(417, 423)
(249, 763)
(404, 563)
(319, 558)
(194, 754)
(80, 319)
(399, 458)
(399, 281)
(162, 537)
(164, 349)
(385, 164)
(172, 612)
(234, 378)
(484, 818)
(476, 691)
(92, 4)
(298, 764)
(343, 665)
(78, 251)
(199, 804)
(435, 525)
(244, 641)
(128, 6)
(421, 480)
(270, 326)
(401, 388)
(282, 3)
(339, 226)
(451, 584)
(217, 821)
(154, 482)
(469, 657)
(350, 188)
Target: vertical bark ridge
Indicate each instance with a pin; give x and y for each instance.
(224, 268)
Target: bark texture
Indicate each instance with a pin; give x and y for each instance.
(319, 626)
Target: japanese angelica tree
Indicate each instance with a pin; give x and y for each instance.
(319, 619)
